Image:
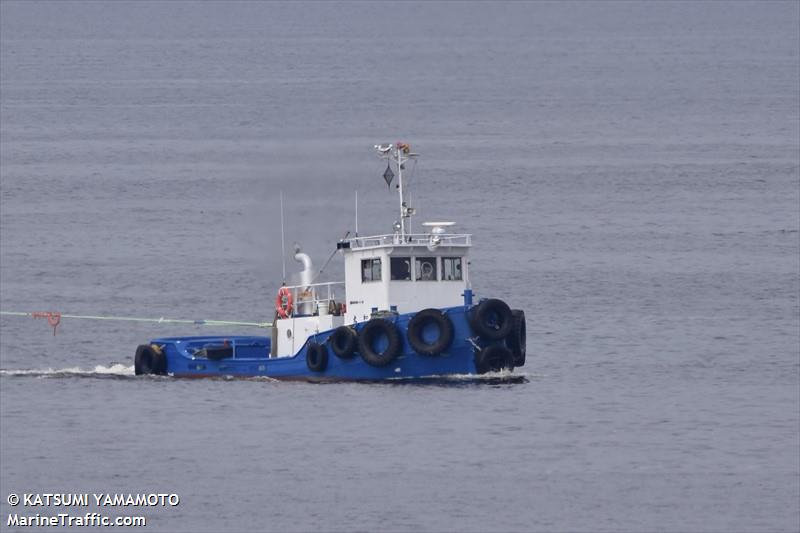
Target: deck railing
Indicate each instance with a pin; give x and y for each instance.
(314, 298)
(410, 239)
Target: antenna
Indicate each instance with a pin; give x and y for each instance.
(283, 242)
(356, 212)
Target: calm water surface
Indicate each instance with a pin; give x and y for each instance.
(629, 171)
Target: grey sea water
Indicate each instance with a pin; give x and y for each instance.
(629, 171)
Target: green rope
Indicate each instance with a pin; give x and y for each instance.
(161, 320)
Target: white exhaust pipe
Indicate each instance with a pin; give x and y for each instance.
(305, 295)
(307, 275)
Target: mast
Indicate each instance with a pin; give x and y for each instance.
(399, 153)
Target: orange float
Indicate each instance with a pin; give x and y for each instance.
(284, 302)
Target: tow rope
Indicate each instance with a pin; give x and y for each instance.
(54, 319)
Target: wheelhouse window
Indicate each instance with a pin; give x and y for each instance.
(401, 268)
(426, 269)
(371, 269)
(451, 267)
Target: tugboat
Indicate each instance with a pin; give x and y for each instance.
(408, 313)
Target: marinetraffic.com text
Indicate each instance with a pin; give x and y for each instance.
(71, 518)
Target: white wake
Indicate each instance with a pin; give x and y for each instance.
(113, 370)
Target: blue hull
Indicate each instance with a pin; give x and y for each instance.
(249, 356)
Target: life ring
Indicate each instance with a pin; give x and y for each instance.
(149, 359)
(517, 338)
(316, 357)
(430, 319)
(284, 302)
(371, 332)
(493, 358)
(343, 342)
(491, 319)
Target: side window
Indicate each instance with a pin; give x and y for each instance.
(371, 269)
(426, 269)
(452, 269)
(401, 268)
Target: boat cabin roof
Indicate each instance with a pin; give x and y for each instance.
(453, 241)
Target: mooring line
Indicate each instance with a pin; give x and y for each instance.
(54, 319)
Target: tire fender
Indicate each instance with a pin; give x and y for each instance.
(491, 319)
(149, 359)
(316, 357)
(493, 358)
(367, 336)
(517, 339)
(417, 325)
(344, 341)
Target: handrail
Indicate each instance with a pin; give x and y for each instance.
(326, 284)
(307, 298)
(415, 239)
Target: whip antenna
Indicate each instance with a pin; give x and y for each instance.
(283, 242)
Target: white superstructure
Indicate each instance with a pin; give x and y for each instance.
(399, 272)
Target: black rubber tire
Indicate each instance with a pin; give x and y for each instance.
(493, 358)
(316, 357)
(517, 338)
(491, 319)
(343, 342)
(373, 328)
(149, 361)
(417, 325)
